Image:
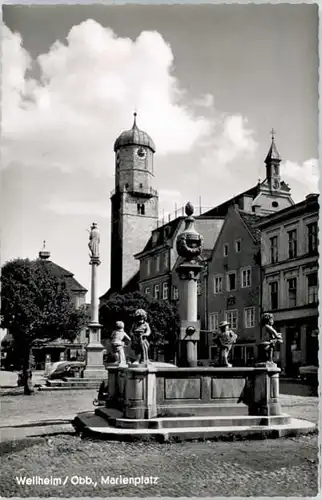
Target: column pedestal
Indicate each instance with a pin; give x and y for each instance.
(189, 327)
(94, 354)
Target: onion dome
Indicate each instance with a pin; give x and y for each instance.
(134, 137)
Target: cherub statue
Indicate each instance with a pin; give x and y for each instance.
(139, 333)
(117, 341)
(94, 241)
(225, 339)
(272, 336)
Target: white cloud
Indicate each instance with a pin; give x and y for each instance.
(89, 88)
(206, 101)
(232, 138)
(306, 174)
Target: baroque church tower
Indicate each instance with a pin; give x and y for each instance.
(134, 203)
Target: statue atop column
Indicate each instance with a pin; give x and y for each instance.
(94, 241)
(273, 338)
(225, 340)
(117, 341)
(139, 333)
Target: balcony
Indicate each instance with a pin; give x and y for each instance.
(137, 191)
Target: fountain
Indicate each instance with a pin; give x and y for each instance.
(164, 401)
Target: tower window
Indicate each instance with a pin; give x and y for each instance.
(141, 185)
(275, 204)
(127, 185)
(141, 208)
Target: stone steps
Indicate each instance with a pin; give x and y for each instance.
(116, 420)
(91, 424)
(70, 383)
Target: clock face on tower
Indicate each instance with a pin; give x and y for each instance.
(276, 184)
(141, 153)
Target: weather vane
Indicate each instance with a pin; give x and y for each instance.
(273, 132)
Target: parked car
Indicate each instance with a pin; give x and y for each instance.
(309, 374)
(62, 369)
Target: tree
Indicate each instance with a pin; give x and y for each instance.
(162, 317)
(36, 308)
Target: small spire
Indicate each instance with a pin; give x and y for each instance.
(44, 254)
(273, 153)
(134, 122)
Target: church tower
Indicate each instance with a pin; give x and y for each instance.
(134, 203)
(273, 194)
(272, 161)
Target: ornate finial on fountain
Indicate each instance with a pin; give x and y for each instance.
(189, 209)
(189, 242)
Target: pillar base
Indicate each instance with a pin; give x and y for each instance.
(95, 372)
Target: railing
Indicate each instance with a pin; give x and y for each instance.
(137, 189)
(180, 212)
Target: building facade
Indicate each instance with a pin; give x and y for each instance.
(289, 250)
(234, 282)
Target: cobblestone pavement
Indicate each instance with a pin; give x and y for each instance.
(20, 409)
(285, 467)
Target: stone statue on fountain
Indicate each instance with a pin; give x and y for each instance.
(117, 342)
(225, 340)
(273, 338)
(139, 333)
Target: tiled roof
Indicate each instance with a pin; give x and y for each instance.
(67, 276)
(162, 234)
(251, 220)
(222, 209)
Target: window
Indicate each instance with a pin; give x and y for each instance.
(274, 295)
(218, 283)
(232, 318)
(147, 291)
(157, 263)
(156, 291)
(175, 293)
(213, 322)
(165, 289)
(249, 317)
(274, 249)
(141, 185)
(199, 290)
(312, 288)
(166, 260)
(312, 237)
(275, 204)
(148, 267)
(231, 281)
(141, 208)
(291, 292)
(225, 249)
(237, 246)
(292, 244)
(246, 277)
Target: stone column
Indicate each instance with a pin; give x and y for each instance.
(189, 246)
(94, 351)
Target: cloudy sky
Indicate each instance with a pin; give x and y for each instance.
(208, 82)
